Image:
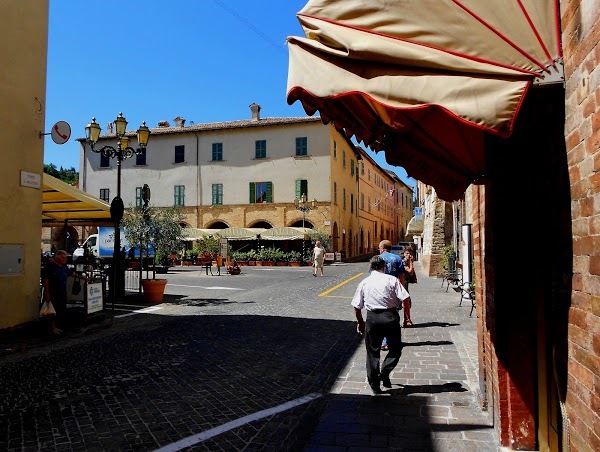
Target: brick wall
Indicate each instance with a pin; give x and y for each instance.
(580, 35)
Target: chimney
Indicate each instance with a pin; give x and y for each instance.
(179, 121)
(255, 109)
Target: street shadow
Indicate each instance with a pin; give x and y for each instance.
(202, 302)
(430, 324)
(421, 343)
(427, 389)
(211, 370)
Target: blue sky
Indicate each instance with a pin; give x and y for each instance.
(203, 60)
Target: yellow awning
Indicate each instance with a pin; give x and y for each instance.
(62, 202)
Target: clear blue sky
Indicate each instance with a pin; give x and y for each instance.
(203, 60)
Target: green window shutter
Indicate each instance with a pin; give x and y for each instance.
(252, 193)
(301, 188)
(269, 191)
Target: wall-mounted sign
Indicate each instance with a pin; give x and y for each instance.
(33, 180)
(61, 132)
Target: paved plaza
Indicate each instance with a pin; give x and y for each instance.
(269, 361)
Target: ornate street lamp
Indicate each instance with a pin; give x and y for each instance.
(303, 205)
(121, 152)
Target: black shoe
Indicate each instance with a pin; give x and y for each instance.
(385, 381)
(376, 390)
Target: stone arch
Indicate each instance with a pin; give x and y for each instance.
(298, 224)
(261, 224)
(217, 225)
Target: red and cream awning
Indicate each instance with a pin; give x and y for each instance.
(423, 80)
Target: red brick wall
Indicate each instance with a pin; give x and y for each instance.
(581, 34)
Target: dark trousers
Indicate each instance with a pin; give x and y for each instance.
(380, 324)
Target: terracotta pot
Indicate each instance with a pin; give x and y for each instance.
(154, 290)
(294, 263)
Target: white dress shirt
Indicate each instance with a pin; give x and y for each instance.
(379, 291)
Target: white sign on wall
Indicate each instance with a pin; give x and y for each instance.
(33, 180)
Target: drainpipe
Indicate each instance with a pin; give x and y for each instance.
(198, 184)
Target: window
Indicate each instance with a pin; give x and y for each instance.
(179, 192)
(260, 147)
(139, 196)
(344, 199)
(105, 194)
(217, 151)
(351, 167)
(217, 194)
(334, 149)
(301, 146)
(369, 174)
(362, 168)
(344, 159)
(261, 192)
(352, 202)
(104, 161)
(140, 159)
(335, 192)
(179, 154)
(301, 188)
(362, 201)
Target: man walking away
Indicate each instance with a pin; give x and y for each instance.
(382, 296)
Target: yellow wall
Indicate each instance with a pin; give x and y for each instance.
(379, 205)
(346, 217)
(24, 34)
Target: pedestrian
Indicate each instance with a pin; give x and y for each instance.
(393, 266)
(54, 280)
(413, 250)
(410, 277)
(382, 296)
(318, 258)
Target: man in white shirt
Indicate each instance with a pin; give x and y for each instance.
(382, 296)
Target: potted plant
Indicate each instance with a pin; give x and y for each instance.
(158, 228)
(294, 258)
(280, 257)
(252, 256)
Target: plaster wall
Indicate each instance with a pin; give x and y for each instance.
(22, 110)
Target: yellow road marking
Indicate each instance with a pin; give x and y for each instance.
(327, 292)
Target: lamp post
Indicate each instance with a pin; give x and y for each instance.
(121, 152)
(305, 206)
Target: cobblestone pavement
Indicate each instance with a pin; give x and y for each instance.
(273, 366)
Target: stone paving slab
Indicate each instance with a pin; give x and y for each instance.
(434, 403)
(204, 362)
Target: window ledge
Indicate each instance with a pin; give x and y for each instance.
(302, 157)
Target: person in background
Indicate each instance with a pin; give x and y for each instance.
(54, 280)
(382, 296)
(413, 249)
(393, 266)
(318, 257)
(409, 277)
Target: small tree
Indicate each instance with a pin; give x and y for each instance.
(157, 226)
(321, 236)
